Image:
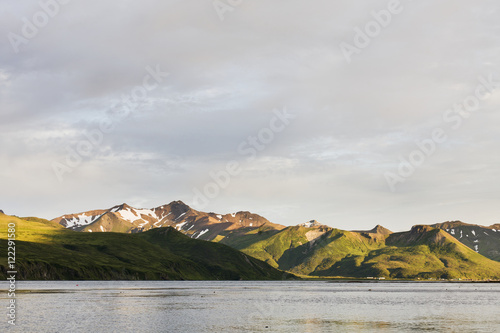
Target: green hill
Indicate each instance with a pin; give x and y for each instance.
(426, 252)
(309, 251)
(47, 251)
(422, 253)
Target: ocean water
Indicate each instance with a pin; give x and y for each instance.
(288, 306)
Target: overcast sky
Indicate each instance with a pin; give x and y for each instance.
(352, 106)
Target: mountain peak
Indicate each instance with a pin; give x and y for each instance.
(311, 224)
(123, 206)
(178, 202)
(179, 205)
(380, 230)
(1, 212)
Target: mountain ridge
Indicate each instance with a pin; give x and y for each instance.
(46, 250)
(445, 250)
(423, 252)
(482, 239)
(196, 224)
(242, 228)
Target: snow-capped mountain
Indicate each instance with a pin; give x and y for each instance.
(200, 225)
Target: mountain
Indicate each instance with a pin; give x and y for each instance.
(422, 253)
(378, 233)
(377, 230)
(314, 249)
(433, 249)
(311, 250)
(204, 226)
(483, 240)
(47, 251)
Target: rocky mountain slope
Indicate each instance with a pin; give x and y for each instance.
(483, 240)
(195, 224)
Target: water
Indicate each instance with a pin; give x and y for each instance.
(303, 306)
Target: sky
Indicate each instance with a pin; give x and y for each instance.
(352, 113)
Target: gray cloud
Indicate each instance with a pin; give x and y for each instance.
(353, 121)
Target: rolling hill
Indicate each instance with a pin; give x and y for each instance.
(422, 253)
(47, 251)
(445, 250)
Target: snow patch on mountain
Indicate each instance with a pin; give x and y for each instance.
(180, 225)
(131, 214)
(143, 224)
(128, 214)
(202, 233)
(147, 212)
(310, 224)
(80, 220)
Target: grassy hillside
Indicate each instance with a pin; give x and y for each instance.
(310, 250)
(46, 250)
(244, 237)
(422, 253)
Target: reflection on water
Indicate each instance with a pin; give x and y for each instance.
(115, 306)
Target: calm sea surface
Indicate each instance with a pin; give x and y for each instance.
(193, 307)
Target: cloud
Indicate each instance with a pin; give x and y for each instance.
(354, 121)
